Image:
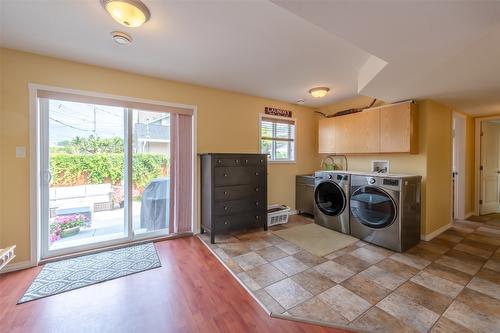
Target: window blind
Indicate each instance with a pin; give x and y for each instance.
(278, 138)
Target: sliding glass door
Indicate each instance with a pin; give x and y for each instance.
(105, 175)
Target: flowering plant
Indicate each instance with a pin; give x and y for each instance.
(61, 223)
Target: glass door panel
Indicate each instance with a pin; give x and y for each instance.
(150, 172)
(84, 161)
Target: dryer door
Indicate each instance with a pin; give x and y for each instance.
(330, 198)
(373, 207)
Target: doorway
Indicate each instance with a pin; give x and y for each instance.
(458, 167)
(102, 167)
(489, 168)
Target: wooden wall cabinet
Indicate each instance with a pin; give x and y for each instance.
(386, 129)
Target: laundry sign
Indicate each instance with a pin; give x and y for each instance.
(278, 112)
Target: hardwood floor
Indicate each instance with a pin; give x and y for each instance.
(191, 292)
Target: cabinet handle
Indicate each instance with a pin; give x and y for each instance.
(256, 203)
(225, 175)
(237, 161)
(219, 161)
(225, 222)
(246, 161)
(225, 192)
(256, 173)
(261, 161)
(257, 217)
(225, 207)
(256, 189)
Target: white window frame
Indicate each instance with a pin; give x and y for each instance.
(36, 175)
(288, 161)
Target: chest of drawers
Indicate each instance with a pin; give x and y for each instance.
(233, 192)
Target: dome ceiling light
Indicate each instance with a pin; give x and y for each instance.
(130, 13)
(319, 92)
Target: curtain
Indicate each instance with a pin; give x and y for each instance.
(181, 176)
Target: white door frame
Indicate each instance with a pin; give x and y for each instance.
(459, 149)
(477, 160)
(36, 176)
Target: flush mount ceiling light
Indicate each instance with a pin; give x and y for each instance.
(319, 92)
(130, 13)
(121, 38)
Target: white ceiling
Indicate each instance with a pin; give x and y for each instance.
(445, 50)
(254, 47)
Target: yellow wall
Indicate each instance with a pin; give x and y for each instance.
(227, 122)
(433, 161)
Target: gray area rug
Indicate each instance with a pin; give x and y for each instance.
(70, 274)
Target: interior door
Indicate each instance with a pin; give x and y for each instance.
(490, 172)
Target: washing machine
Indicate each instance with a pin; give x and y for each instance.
(385, 210)
(331, 200)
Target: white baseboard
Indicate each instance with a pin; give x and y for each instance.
(16, 266)
(293, 212)
(436, 233)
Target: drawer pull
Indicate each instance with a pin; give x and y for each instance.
(257, 217)
(246, 161)
(225, 222)
(225, 175)
(225, 207)
(256, 173)
(225, 192)
(219, 161)
(256, 203)
(256, 189)
(237, 161)
(261, 161)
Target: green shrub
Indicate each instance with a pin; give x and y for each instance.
(76, 169)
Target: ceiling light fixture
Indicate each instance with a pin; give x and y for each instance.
(130, 13)
(319, 92)
(121, 38)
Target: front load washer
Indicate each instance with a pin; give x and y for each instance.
(331, 200)
(385, 210)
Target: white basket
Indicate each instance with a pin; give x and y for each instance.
(278, 217)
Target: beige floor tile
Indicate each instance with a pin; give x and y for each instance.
(470, 268)
(489, 229)
(471, 318)
(382, 278)
(248, 281)
(433, 247)
(490, 275)
(271, 253)
(309, 259)
(380, 250)
(423, 253)
(484, 286)
(334, 271)
(448, 273)
(249, 260)
(355, 264)
(289, 265)
(444, 325)
(270, 303)
(493, 265)
(226, 259)
(377, 320)
(344, 302)
(438, 284)
(482, 303)
(430, 299)
(288, 293)
(257, 244)
(484, 239)
(398, 268)
(451, 238)
(288, 247)
(235, 249)
(316, 309)
(473, 250)
(372, 292)
(479, 245)
(265, 275)
(367, 254)
(313, 281)
(411, 313)
(442, 242)
(410, 260)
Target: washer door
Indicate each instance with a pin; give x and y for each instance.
(373, 207)
(330, 198)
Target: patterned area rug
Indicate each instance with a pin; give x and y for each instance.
(70, 274)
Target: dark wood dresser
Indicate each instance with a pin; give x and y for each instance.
(233, 192)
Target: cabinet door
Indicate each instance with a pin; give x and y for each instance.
(397, 129)
(364, 131)
(326, 131)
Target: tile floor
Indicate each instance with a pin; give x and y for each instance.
(449, 284)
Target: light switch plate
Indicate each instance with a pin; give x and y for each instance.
(20, 152)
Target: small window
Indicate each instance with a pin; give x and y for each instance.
(277, 138)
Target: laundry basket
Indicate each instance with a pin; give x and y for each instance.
(277, 214)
